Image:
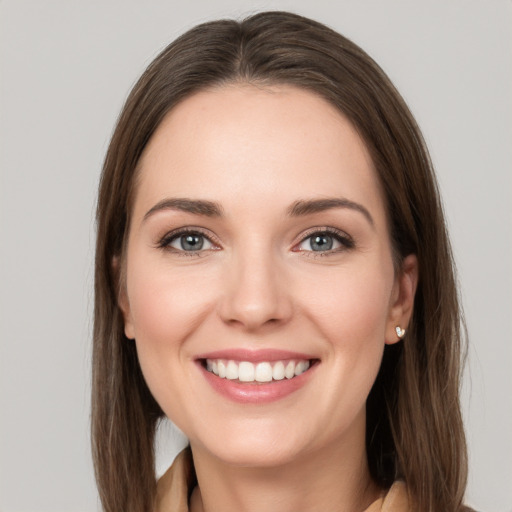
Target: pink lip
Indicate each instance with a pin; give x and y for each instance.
(254, 356)
(255, 392)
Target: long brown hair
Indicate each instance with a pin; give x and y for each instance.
(414, 425)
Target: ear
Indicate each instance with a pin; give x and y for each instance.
(122, 298)
(402, 298)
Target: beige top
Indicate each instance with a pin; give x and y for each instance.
(175, 486)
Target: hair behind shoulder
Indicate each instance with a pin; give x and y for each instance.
(414, 424)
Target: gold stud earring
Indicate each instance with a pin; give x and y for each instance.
(399, 331)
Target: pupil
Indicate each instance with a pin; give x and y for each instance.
(191, 242)
(322, 243)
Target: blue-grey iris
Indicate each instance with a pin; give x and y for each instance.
(321, 243)
(192, 242)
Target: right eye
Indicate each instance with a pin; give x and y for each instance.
(190, 242)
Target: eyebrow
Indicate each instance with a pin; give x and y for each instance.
(194, 206)
(297, 209)
(308, 207)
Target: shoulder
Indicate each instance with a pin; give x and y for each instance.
(175, 485)
(396, 499)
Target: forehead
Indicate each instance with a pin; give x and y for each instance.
(256, 144)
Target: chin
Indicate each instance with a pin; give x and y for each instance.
(256, 455)
(260, 447)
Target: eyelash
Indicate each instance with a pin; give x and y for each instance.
(343, 238)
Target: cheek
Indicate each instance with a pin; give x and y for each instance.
(167, 304)
(351, 313)
(350, 305)
(167, 307)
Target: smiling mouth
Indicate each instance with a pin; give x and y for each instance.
(258, 373)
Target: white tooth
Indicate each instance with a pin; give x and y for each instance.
(278, 371)
(300, 367)
(209, 365)
(246, 372)
(263, 372)
(232, 370)
(289, 372)
(222, 369)
(215, 367)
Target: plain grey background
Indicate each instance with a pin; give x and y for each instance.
(65, 69)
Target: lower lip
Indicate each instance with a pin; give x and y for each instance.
(255, 392)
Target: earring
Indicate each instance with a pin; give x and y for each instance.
(399, 331)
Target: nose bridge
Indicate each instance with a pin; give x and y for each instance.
(255, 292)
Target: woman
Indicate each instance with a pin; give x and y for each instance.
(273, 274)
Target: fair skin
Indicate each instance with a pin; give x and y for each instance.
(261, 271)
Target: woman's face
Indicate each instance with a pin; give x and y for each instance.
(260, 287)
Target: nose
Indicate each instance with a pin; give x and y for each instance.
(255, 294)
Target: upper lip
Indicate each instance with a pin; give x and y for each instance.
(255, 356)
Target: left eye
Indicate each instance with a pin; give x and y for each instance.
(323, 242)
(190, 242)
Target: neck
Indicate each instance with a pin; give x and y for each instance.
(334, 475)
